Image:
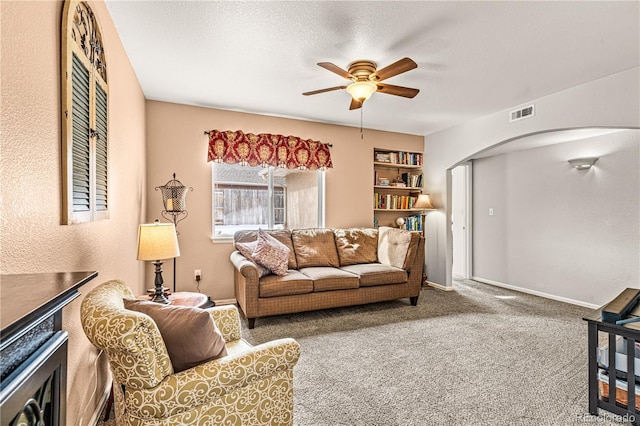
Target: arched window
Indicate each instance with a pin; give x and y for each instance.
(85, 133)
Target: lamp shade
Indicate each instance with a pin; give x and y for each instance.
(361, 90)
(157, 241)
(423, 203)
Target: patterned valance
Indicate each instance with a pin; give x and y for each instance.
(266, 149)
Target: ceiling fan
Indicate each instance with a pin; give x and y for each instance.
(366, 80)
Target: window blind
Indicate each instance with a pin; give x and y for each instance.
(80, 137)
(101, 149)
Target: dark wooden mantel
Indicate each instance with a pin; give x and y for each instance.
(33, 346)
(23, 296)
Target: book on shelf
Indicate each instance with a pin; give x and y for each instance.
(413, 223)
(399, 157)
(393, 201)
(409, 180)
(383, 157)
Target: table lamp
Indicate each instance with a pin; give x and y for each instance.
(156, 242)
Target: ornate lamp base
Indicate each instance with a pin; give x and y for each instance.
(159, 296)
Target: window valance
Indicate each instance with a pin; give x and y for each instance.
(264, 149)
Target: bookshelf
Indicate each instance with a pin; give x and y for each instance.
(397, 182)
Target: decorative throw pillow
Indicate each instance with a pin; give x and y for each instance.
(271, 254)
(190, 334)
(246, 249)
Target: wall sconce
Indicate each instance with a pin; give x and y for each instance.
(583, 163)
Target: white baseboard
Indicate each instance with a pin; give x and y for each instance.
(221, 302)
(439, 286)
(536, 293)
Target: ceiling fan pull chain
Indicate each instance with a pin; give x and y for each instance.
(361, 135)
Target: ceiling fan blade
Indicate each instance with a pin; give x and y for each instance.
(403, 65)
(336, 69)
(355, 104)
(315, 92)
(390, 89)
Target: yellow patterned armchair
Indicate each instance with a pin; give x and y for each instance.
(252, 385)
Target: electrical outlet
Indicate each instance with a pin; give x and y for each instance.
(197, 274)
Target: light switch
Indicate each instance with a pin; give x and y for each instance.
(490, 212)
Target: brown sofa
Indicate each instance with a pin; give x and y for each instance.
(330, 268)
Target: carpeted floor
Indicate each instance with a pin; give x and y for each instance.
(479, 355)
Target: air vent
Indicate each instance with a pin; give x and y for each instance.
(521, 113)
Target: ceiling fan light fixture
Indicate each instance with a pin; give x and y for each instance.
(361, 90)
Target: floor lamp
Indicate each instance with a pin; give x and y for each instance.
(423, 203)
(174, 201)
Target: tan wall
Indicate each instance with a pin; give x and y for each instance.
(176, 143)
(32, 239)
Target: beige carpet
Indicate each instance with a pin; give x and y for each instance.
(479, 355)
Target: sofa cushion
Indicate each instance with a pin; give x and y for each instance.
(190, 334)
(271, 253)
(247, 249)
(356, 245)
(282, 235)
(328, 278)
(315, 247)
(377, 274)
(393, 245)
(292, 283)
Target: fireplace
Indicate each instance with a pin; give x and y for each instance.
(33, 346)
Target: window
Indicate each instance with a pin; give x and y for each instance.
(268, 198)
(84, 117)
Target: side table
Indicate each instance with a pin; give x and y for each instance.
(186, 298)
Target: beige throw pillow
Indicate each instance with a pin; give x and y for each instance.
(271, 254)
(315, 247)
(357, 245)
(190, 334)
(393, 245)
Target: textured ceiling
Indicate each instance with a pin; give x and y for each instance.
(474, 58)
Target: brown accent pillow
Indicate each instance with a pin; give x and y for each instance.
(271, 254)
(315, 247)
(356, 245)
(190, 334)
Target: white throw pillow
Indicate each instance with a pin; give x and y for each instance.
(393, 245)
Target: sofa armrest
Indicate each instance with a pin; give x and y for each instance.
(207, 382)
(246, 267)
(227, 320)
(246, 283)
